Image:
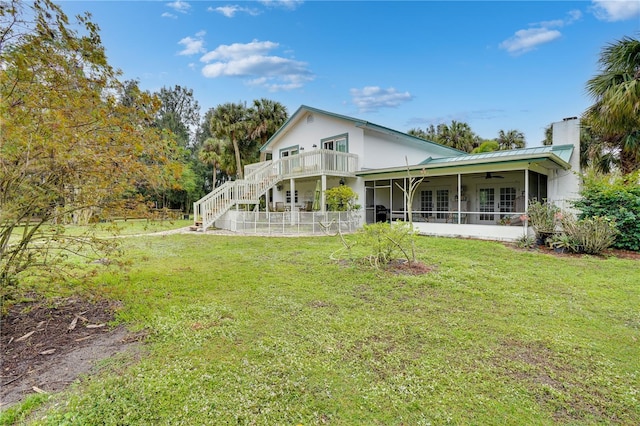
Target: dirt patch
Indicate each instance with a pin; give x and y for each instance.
(48, 345)
(622, 254)
(404, 267)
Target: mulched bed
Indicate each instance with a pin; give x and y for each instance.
(47, 345)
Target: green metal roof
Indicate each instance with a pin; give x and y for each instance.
(558, 155)
(563, 152)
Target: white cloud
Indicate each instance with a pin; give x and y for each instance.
(526, 40)
(179, 6)
(231, 10)
(253, 61)
(239, 50)
(283, 4)
(616, 10)
(169, 15)
(372, 98)
(193, 46)
(539, 33)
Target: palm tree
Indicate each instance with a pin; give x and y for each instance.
(211, 153)
(266, 117)
(616, 92)
(229, 122)
(458, 135)
(510, 140)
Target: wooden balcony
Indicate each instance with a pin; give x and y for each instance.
(314, 163)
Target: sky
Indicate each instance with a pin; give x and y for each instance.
(501, 65)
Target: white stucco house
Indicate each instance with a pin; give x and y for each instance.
(470, 195)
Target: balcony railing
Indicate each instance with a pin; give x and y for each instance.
(313, 163)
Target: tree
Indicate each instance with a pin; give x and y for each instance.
(230, 122)
(486, 146)
(615, 90)
(548, 135)
(214, 153)
(510, 140)
(266, 117)
(458, 135)
(179, 112)
(71, 149)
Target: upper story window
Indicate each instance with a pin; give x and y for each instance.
(287, 152)
(338, 143)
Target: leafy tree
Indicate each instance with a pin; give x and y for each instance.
(72, 150)
(230, 122)
(615, 90)
(266, 117)
(510, 140)
(548, 135)
(214, 153)
(486, 146)
(179, 112)
(458, 135)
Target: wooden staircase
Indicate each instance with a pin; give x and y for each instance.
(245, 191)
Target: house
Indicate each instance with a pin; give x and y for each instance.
(459, 194)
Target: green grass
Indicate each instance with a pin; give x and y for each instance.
(266, 331)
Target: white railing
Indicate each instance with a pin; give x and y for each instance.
(262, 176)
(290, 223)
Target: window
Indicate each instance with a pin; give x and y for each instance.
(338, 143)
(289, 197)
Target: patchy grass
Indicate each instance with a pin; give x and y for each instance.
(265, 331)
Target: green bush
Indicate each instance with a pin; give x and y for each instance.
(381, 243)
(589, 235)
(341, 199)
(543, 218)
(617, 198)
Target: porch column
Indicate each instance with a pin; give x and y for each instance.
(267, 200)
(526, 199)
(459, 198)
(292, 206)
(323, 199)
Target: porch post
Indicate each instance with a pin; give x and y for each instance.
(459, 198)
(267, 200)
(526, 200)
(323, 199)
(292, 207)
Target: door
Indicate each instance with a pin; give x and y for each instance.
(486, 204)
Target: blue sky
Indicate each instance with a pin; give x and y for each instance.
(495, 65)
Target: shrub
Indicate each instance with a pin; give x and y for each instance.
(617, 198)
(381, 243)
(341, 199)
(590, 235)
(543, 218)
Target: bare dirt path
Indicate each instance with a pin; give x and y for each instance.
(48, 345)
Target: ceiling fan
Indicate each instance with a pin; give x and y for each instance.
(489, 175)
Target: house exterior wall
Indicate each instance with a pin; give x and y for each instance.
(381, 150)
(564, 185)
(312, 128)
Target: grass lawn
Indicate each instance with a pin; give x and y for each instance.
(270, 331)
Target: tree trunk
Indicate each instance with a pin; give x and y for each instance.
(236, 148)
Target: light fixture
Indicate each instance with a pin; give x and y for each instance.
(314, 145)
(341, 181)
